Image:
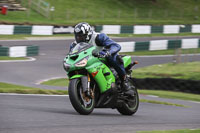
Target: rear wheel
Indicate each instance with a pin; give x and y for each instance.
(130, 106)
(81, 103)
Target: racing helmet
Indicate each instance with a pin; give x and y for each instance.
(83, 32)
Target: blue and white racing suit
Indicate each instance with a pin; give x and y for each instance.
(101, 40)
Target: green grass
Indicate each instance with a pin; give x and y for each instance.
(188, 71)
(171, 95)
(11, 88)
(163, 52)
(57, 82)
(12, 58)
(173, 131)
(129, 12)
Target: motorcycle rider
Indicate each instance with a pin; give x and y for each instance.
(84, 33)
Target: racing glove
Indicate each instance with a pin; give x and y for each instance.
(104, 53)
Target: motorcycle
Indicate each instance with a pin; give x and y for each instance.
(95, 84)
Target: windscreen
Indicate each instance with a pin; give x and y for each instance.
(80, 47)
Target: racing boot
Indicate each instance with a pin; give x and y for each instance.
(127, 88)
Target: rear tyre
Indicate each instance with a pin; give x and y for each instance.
(82, 104)
(130, 106)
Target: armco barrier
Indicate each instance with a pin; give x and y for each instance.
(24, 29)
(32, 50)
(107, 29)
(148, 29)
(189, 86)
(159, 45)
(19, 51)
(4, 51)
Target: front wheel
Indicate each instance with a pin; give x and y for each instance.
(130, 106)
(81, 103)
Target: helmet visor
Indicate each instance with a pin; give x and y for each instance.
(80, 38)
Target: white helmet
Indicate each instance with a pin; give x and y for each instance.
(83, 32)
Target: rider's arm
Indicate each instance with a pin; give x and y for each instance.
(72, 45)
(103, 40)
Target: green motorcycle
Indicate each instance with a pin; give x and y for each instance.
(95, 84)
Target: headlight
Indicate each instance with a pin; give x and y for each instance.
(66, 66)
(81, 63)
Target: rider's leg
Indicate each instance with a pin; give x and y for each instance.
(119, 67)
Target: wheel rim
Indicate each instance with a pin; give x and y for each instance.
(133, 100)
(85, 102)
(132, 103)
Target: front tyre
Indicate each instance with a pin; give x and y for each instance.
(130, 106)
(82, 104)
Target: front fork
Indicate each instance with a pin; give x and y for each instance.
(85, 81)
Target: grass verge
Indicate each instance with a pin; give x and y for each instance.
(10, 88)
(173, 131)
(171, 94)
(57, 82)
(12, 58)
(188, 71)
(69, 12)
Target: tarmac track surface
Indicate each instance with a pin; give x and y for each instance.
(50, 114)
(30, 113)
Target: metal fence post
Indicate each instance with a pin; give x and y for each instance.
(48, 10)
(135, 13)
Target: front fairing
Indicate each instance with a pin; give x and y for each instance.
(72, 59)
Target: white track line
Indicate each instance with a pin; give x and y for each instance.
(152, 96)
(194, 102)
